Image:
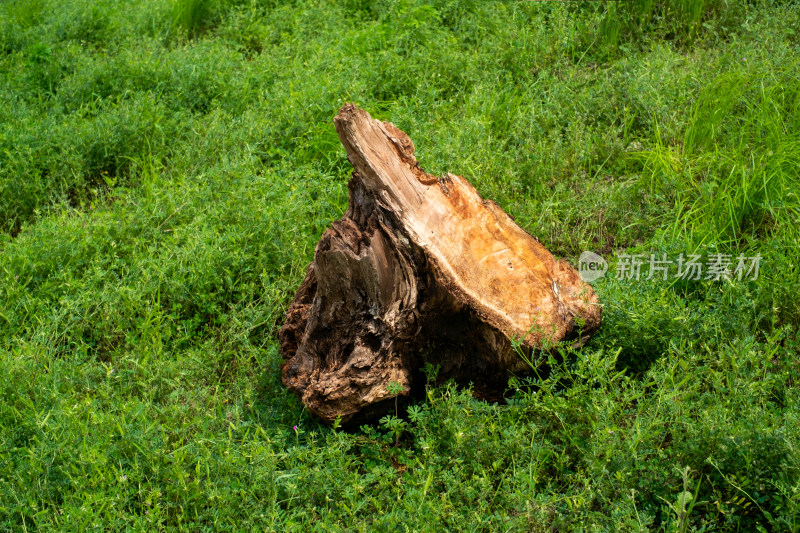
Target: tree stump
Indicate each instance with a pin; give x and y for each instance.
(420, 269)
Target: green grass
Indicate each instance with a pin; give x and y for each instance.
(167, 167)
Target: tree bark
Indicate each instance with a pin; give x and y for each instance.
(420, 270)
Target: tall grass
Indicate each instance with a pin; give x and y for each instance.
(735, 175)
(167, 167)
(682, 21)
(196, 16)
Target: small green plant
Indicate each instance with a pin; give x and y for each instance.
(394, 423)
(685, 502)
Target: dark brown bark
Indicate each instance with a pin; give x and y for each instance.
(418, 270)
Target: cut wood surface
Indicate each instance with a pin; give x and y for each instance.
(420, 269)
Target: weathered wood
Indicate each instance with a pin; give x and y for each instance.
(418, 270)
